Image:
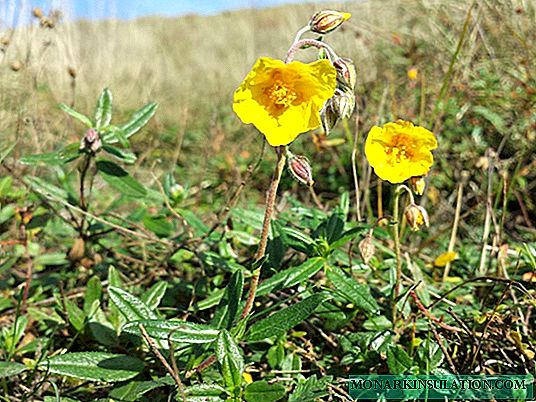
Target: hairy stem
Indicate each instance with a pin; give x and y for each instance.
(396, 237)
(309, 42)
(270, 204)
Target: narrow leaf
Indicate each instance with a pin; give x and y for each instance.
(123, 155)
(9, 369)
(154, 295)
(103, 111)
(230, 359)
(352, 291)
(139, 119)
(228, 307)
(76, 115)
(181, 331)
(291, 276)
(132, 308)
(280, 322)
(262, 391)
(94, 366)
(118, 178)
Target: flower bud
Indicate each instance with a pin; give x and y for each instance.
(366, 248)
(300, 169)
(417, 184)
(326, 21)
(16, 65)
(91, 141)
(328, 116)
(177, 192)
(37, 12)
(346, 73)
(343, 103)
(416, 216)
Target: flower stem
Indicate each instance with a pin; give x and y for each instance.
(396, 237)
(270, 205)
(309, 42)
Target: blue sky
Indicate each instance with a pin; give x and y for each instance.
(127, 9)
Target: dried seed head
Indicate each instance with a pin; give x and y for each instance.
(16, 65)
(366, 248)
(46, 22)
(300, 169)
(91, 141)
(343, 102)
(328, 116)
(77, 251)
(326, 21)
(72, 72)
(346, 72)
(416, 216)
(417, 184)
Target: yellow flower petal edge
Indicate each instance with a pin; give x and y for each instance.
(445, 258)
(399, 150)
(284, 100)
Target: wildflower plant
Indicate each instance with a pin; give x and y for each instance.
(398, 152)
(285, 99)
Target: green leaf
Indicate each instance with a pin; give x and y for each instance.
(228, 307)
(116, 134)
(352, 291)
(398, 360)
(77, 317)
(280, 322)
(9, 369)
(181, 331)
(230, 359)
(203, 393)
(154, 295)
(133, 390)
(311, 389)
(68, 154)
(123, 155)
(291, 276)
(132, 308)
(43, 187)
(4, 152)
(159, 225)
(93, 293)
(51, 259)
(138, 120)
(103, 111)
(379, 323)
(119, 179)
(193, 221)
(495, 119)
(262, 391)
(296, 239)
(94, 366)
(76, 115)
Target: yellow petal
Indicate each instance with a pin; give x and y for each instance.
(284, 100)
(445, 258)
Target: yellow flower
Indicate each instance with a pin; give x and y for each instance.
(284, 100)
(413, 73)
(445, 258)
(400, 150)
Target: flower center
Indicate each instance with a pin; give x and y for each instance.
(401, 148)
(280, 95)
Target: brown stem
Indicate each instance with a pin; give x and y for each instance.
(174, 374)
(270, 204)
(430, 316)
